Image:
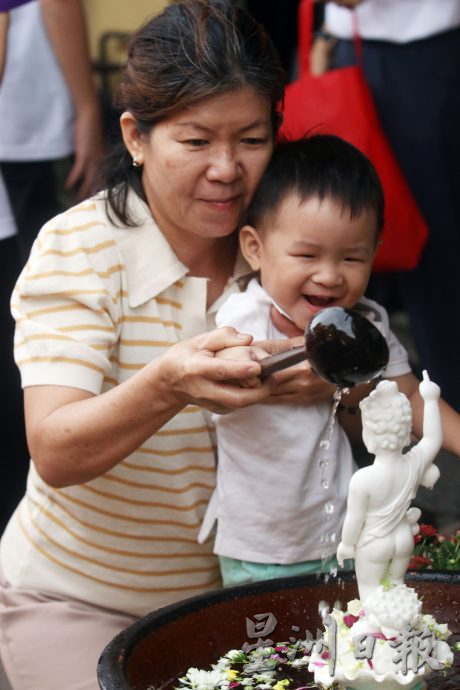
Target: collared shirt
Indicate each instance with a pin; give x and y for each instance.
(95, 304)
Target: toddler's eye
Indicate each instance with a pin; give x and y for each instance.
(255, 141)
(196, 143)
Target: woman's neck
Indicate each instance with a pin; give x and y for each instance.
(213, 260)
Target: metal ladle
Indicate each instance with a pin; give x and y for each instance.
(342, 346)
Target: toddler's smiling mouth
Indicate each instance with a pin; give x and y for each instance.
(317, 301)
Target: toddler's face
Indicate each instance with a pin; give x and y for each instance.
(312, 255)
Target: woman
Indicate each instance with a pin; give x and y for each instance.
(118, 380)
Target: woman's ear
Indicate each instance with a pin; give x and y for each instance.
(132, 137)
(251, 246)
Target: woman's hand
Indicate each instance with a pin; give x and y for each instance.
(251, 353)
(217, 370)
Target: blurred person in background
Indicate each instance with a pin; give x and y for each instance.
(50, 138)
(49, 109)
(411, 59)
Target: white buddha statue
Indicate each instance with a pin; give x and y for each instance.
(379, 526)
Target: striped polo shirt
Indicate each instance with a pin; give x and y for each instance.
(95, 304)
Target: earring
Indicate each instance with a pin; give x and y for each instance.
(136, 163)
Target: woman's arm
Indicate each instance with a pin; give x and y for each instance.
(74, 436)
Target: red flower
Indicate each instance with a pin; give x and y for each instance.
(349, 619)
(427, 530)
(419, 562)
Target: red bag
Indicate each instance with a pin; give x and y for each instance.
(339, 102)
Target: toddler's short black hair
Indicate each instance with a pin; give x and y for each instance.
(322, 166)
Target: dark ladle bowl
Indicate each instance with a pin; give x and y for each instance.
(342, 346)
(153, 652)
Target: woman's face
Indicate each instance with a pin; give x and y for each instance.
(202, 165)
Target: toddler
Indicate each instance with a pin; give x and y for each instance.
(311, 234)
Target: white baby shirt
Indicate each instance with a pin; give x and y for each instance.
(269, 500)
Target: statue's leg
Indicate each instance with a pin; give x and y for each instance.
(398, 568)
(403, 546)
(369, 571)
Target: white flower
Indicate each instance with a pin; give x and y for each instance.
(222, 664)
(262, 652)
(443, 630)
(429, 620)
(354, 607)
(443, 653)
(206, 680)
(302, 661)
(264, 677)
(338, 615)
(233, 654)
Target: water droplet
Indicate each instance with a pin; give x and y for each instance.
(323, 608)
(329, 508)
(325, 483)
(324, 444)
(327, 538)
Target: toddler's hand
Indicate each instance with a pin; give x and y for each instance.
(428, 389)
(299, 385)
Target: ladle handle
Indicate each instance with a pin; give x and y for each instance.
(282, 360)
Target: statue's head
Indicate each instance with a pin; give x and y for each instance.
(387, 418)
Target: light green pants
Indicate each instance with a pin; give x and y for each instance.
(236, 572)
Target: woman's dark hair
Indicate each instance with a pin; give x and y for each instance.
(192, 50)
(322, 167)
